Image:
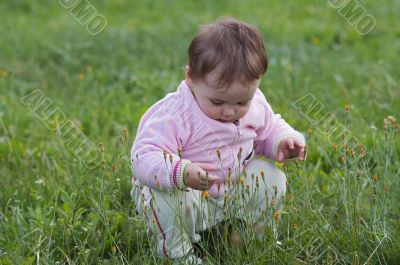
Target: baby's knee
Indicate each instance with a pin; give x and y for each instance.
(273, 177)
(175, 205)
(279, 179)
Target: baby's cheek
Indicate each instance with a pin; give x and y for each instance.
(212, 112)
(245, 110)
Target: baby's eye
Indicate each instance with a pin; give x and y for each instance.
(243, 103)
(216, 103)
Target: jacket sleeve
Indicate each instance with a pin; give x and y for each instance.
(155, 157)
(274, 130)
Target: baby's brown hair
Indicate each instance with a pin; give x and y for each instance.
(234, 48)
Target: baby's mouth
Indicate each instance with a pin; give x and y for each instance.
(226, 121)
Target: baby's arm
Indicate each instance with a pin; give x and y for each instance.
(154, 154)
(274, 132)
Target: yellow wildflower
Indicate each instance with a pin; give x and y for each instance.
(316, 41)
(277, 215)
(347, 108)
(241, 180)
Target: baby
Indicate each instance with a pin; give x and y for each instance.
(196, 146)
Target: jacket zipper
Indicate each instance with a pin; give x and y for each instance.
(237, 136)
(238, 133)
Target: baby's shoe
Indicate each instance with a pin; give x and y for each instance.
(190, 259)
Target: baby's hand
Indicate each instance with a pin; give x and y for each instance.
(291, 148)
(195, 176)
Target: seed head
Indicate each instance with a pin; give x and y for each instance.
(180, 152)
(375, 178)
(239, 155)
(218, 154)
(113, 249)
(391, 118)
(352, 152)
(356, 259)
(362, 151)
(101, 146)
(385, 124)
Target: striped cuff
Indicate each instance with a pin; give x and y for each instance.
(177, 173)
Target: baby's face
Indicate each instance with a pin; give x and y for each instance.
(227, 106)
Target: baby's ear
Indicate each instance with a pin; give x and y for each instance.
(187, 76)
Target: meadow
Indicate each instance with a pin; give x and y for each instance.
(325, 78)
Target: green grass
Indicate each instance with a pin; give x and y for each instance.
(54, 210)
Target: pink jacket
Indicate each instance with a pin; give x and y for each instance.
(177, 122)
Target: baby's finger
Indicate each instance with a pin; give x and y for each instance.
(206, 185)
(208, 178)
(201, 187)
(209, 184)
(290, 143)
(297, 143)
(281, 156)
(205, 166)
(301, 154)
(304, 152)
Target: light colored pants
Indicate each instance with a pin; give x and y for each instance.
(175, 217)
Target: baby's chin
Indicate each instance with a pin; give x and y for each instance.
(226, 121)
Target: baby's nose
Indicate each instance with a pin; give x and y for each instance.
(228, 112)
